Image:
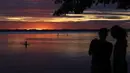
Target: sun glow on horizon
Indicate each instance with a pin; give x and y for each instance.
(54, 22)
(39, 28)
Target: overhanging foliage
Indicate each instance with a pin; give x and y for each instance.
(78, 6)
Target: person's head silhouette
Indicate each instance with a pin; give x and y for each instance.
(103, 32)
(118, 32)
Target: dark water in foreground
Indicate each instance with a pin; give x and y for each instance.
(47, 52)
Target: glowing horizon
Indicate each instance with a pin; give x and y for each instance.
(68, 21)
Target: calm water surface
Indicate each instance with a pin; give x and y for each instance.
(47, 52)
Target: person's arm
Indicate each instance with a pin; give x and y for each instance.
(111, 48)
(92, 45)
(90, 49)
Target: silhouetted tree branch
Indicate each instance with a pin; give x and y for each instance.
(78, 6)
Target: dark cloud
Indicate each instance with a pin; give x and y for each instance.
(16, 4)
(37, 4)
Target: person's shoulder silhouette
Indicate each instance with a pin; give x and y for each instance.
(120, 35)
(100, 50)
(119, 55)
(93, 45)
(101, 44)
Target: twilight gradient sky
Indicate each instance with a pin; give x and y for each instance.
(36, 14)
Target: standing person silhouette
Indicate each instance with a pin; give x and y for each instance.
(100, 50)
(26, 44)
(119, 55)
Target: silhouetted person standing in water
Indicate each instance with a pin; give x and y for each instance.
(26, 44)
(101, 50)
(119, 56)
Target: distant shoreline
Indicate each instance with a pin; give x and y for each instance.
(43, 31)
(52, 31)
(64, 30)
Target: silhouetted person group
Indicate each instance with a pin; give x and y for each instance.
(101, 51)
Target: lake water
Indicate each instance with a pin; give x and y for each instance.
(48, 52)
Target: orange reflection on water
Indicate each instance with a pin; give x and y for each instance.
(71, 44)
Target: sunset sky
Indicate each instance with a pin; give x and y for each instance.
(37, 14)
